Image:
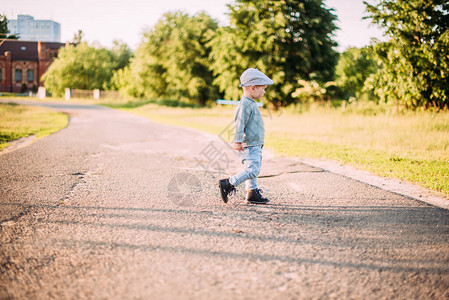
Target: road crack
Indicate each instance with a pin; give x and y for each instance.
(75, 186)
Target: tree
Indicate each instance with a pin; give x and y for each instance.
(78, 37)
(173, 60)
(354, 67)
(4, 29)
(126, 82)
(416, 59)
(287, 40)
(79, 67)
(121, 54)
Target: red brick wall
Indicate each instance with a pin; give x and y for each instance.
(8, 81)
(5, 65)
(24, 66)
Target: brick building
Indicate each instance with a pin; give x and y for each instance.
(24, 62)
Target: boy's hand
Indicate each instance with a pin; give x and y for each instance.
(238, 146)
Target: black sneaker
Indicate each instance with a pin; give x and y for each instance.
(226, 188)
(255, 197)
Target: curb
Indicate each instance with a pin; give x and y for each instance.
(17, 144)
(392, 185)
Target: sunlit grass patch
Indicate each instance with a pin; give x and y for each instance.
(411, 146)
(18, 121)
(421, 169)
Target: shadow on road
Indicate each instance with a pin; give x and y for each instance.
(294, 225)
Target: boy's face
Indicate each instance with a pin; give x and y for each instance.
(257, 91)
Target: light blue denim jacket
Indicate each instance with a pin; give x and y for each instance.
(249, 128)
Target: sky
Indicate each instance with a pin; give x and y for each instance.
(103, 21)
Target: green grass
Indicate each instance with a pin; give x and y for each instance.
(123, 104)
(410, 146)
(18, 121)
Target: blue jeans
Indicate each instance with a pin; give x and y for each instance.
(252, 160)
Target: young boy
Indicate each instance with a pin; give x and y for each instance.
(249, 136)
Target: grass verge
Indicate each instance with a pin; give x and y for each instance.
(18, 121)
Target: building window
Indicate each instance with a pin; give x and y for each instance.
(30, 75)
(18, 75)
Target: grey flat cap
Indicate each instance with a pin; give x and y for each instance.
(253, 76)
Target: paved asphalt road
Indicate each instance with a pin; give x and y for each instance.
(117, 207)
